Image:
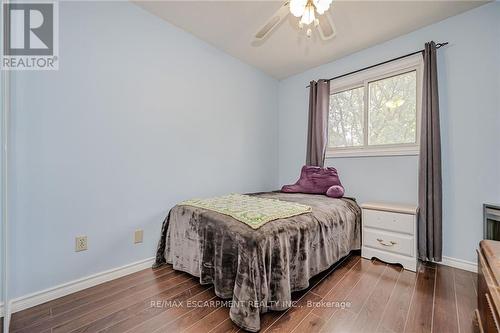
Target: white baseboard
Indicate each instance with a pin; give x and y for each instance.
(459, 263)
(39, 297)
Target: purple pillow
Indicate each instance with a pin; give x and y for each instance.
(317, 180)
(335, 191)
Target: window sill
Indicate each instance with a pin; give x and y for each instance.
(373, 152)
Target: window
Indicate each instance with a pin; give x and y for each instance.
(345, 121)
(376, 112)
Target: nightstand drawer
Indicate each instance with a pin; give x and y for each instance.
(389, 221)
(388, 241)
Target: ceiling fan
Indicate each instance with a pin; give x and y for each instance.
(312, 13)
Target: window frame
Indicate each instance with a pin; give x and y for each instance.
(362, 79)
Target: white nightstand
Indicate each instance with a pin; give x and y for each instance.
(389, 233)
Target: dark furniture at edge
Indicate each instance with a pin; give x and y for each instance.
(488, 288)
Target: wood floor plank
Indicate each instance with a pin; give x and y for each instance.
(342, 290)
(227, 326)
(135, 292)
(169, 289)
(320, 287)
(396, 311)
(341, 321)
(141, 310)
(356, 296)
(43, 312)
(312, 323)
(140, 323)
(39, 313)
(19, 320)
(466, 299)
(365, 286)
(185, 321)
(371, 313)
(339, 294)
(420, 314)
(474, 281)
(143, 275)
(210, 321)
(445, 306)
(320, 315)
(327, 284)
(292, 318)
(267, 319)
(318, 279)
(56, 310)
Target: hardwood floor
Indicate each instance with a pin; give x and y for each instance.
(357, 295)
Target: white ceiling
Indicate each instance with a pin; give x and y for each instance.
(231, 25)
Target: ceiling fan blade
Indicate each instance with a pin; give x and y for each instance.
(277, 17)
(326, 27)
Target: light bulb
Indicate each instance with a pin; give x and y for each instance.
(308, 16)
(322, 5)
(297, 7)
(309, 33)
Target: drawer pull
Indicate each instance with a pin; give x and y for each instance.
(381, 241)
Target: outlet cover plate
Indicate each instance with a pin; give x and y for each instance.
(80, 243)
(138, 236)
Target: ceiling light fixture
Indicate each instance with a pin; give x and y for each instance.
(306, 10)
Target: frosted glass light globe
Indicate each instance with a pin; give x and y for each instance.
(322, 5)
(297, 7)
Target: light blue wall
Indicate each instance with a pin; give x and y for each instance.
(139, 116)
(469, 75)
(142, 115)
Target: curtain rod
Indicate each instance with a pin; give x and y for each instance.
(438, 45)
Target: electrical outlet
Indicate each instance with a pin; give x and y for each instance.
(138, 235)
(80, 243)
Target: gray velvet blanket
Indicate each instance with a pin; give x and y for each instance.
(259, 269)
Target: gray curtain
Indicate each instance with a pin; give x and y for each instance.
(429, 181)
(319, 100)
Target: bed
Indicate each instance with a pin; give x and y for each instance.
(258, 269)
